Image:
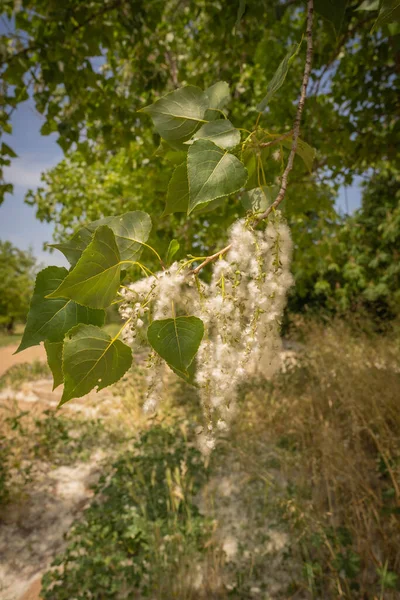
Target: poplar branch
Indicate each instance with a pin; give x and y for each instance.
(297, 121)
(296, 134)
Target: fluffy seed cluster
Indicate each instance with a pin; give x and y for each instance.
(241, 310)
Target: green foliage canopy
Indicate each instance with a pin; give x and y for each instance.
(17, 271)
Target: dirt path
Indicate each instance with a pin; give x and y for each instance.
(9, 359)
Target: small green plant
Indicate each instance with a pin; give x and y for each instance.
(4, 471)
(142, 533)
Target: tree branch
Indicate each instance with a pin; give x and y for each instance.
(210, 259)
(297, 121)
(296, 134)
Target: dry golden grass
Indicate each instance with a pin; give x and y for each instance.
(331, 427)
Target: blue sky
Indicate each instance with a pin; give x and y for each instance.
(36, 153)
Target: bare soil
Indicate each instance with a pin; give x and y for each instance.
(9, 359)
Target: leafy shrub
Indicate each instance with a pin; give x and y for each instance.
(142, 532)
(50, 437)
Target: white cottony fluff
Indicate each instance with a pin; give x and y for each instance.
(241, 310)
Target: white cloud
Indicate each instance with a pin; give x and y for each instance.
(26, 172)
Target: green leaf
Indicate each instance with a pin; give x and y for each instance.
(258, 199)
(178, 192)
(173, 248)
(177, 115)
(304, 150)
(212, 173)
(131, 230)
(240, 13)
(279, 76)
(7, 151)
(54, 351)
(218, 96)
(389, 13)
(221, 132)
(95, 279)
(177, 341)
(50, 319)
(92, 359)
(369, 5)
(209, 206)
(73, 248)
(332, 10)
(190, 374)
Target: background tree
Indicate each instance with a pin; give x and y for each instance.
(17, 275)
(90, 67)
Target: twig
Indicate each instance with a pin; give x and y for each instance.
(297, 122)
(276, 140)
(210, 259)
(296, 133)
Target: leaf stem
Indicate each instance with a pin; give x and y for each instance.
(155, 252)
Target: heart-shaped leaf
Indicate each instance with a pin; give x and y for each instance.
(91, 359)
(131, 231)
(221, 132)
(177, 341)
(95, 279)
(212, 173)
(54, 352)
(177, 115)
(258, 199)
(50, 319)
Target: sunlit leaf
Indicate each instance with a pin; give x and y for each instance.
(258, 199)
(173, 248)
(177, 115)
(51, 318)
(92, 359)
(95, 279)
(131, 230)
(176, 340)
(369, 5)
(212, 173)
(218, 97)
(221, 132)
(279, 77)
